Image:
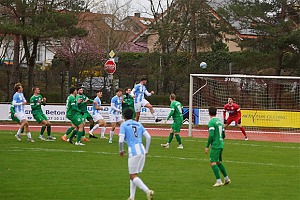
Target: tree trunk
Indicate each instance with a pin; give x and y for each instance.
(279, 64)
(31, 64)
(15, 75)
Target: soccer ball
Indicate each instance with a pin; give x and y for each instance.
(203, 65)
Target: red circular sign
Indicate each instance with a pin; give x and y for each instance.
(110, 66)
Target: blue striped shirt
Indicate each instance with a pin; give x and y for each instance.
(95, 111)
(18, 99)
(133, 132)
(116, 105)
(139, 92)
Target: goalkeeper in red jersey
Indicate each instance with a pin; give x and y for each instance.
(235, 115)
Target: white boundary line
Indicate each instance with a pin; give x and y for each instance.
(153, 156)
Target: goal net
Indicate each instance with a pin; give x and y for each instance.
(269, 104)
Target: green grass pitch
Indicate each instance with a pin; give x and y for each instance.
(59, 170)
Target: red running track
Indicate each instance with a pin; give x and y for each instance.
(198, 133)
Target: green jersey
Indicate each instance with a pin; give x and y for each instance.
(72, 106)
(82, 106)
(36, 102)
(176, 111)
(216, 133)
(128, 101)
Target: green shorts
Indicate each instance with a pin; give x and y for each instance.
(87, 116)
(215, 155)
(176, 126)
(15, 119)
(40, 117)
(76, 119)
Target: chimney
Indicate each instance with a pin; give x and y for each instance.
(137, 15)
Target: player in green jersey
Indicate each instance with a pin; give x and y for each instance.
(176, 114)
(13, 116)
(216, 141)
(84, 112)
(74, 114)
(36, 101)
(128, 102)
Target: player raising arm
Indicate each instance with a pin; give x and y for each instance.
(235, 115)
(132, 132)
(115, 114)
(138, 93)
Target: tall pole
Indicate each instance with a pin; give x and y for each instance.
(191, 107)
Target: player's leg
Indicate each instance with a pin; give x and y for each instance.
(214, 158)
(223, 169)
(43, 128)
(92, 124)
(21, 117)
(135, 166)
(171, 136)
(113, 120)
(148, 105)
(48, 127)
(79, 133)
(70, 129)
(103, 128)
(239, 124)
(137, 109)
(27, 130)
(176, 126)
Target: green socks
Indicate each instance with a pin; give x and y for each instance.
(215, 169)
(222, 169)
(42, 130)
(70, 130)
(91, 126)
(73, 135)
(178, 138)
(48, 130)
(170, 137)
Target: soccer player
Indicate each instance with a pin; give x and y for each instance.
(128, 101)
(216, 141)
(85, 114)
(74, 114)
(138, 93)
(115, 112)
(36, 110)
(19, 103)
(176, 114)
(235, 115)
(97, 117)
(13, 115)
(132, 132)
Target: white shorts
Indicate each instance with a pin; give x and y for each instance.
(136, 164)
(97, 117)
(20, 116)
(138, 106)
(115, 118)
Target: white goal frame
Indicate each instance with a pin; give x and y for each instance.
(192, 92)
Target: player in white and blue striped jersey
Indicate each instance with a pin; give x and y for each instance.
(19, 103)
(138, 93)
(132, 132)
(115, 114)
(97, 117)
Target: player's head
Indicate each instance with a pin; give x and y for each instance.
(128, 113)
(80, 91)
(230, 101)
(36, 90)
(143, 80)
(119, 92)
(127, 90)
(18, 87)
(212, 111)
(172, 97)
(99, 93)
(73, 91)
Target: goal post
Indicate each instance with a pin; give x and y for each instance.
(268, 104)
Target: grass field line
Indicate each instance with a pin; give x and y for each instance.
(153, 156)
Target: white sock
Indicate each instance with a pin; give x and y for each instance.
(29, 135)
(132, 189)
(226, 178)
(111, 134)
(138, 182)
(94, 128)
(219, 180)
(19, 132)
(154, 115)
(103, 131)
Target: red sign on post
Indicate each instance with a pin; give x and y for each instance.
(110, 66)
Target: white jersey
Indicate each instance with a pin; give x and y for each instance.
(98, 101)
(18, 100)
(139, 92)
